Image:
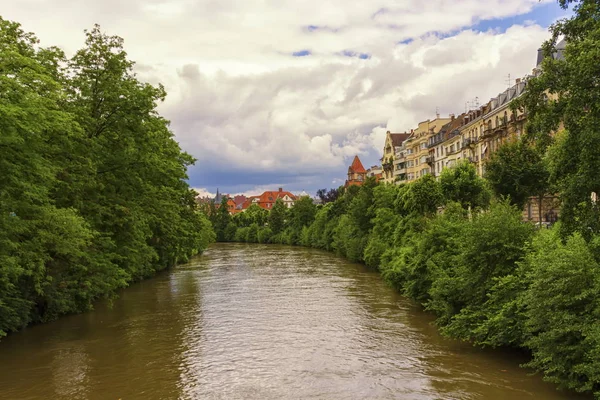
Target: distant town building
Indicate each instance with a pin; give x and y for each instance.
(356, 173)
(267, 199)
(375, 172)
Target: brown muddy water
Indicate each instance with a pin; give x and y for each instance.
(258, 322)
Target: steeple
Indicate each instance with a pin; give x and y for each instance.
(357, 166)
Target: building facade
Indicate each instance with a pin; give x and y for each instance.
(418, 160)
(356, 173)
(392, 140)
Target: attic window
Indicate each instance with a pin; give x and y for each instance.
(270, 199)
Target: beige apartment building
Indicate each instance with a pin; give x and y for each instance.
(418, 160)
(442, 146)
(487, 127)
(474, 136)
(392, 140)
(400, 176)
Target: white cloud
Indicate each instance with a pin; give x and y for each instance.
(238, 100)
(203, 192)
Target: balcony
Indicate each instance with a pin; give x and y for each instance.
(388, 166)
(468, 142)
(400, 178)
(434, 142)
(487, 133)
(430, 160)
(501, 128)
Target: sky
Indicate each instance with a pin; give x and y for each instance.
(284, 93)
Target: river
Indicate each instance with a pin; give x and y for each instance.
(258, 322)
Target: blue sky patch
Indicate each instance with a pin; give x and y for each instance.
(301, 53)
(350, 53)
(543, 15)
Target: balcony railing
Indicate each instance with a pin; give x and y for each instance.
(468, 142)
(430, 160)
(434, 142)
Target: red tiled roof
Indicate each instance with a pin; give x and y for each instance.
(357, 166)
(272, 196)
(239, 199)
(248, 202)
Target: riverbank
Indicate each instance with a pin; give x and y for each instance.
(93, 190)
(488, 277)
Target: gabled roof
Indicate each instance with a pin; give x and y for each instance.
(398, 138)
(239, 199)
(357, 166)
(272, 195)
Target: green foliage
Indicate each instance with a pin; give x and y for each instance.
(423, 197)
(461, 184)
(264, 235)
(381, 237)
(92, 183)
(567, 92)
(222, 222)
(517, 171)
(424, 254)
(303, 213)
(563, 309)
(489, 248)
(277, 217)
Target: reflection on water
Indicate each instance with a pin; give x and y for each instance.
(69, 372)
(257, 322)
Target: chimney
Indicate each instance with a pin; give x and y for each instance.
(451, 117)
(517, 81)
(280, 190)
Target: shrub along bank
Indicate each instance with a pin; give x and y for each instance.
(489, 277)
(92, 184)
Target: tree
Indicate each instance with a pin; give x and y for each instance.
(517, 171)
(328, 196)
(93, 191)
(302, 213)
(222, 221)
(563, 311)
(422, 196)
(461, 184)
(489, 248)
(277, 217)
(567, 91)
